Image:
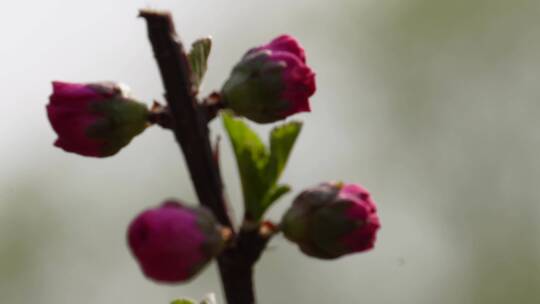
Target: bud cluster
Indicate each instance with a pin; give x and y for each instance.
(173, 242)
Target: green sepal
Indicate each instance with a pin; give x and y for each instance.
(254, 89)
(329, 225)
(122, 120)
(198, 60)
(260, 167)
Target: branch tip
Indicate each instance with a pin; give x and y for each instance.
(153, 13)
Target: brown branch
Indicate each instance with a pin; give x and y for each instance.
(236, 266)
(189, 123)
(161, 116)
(211, 106)
(189, 126)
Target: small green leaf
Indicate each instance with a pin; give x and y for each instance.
(273, 195)
(251, 158)
(183, 301)
(259, 167)
(198, 58)
(282, 140)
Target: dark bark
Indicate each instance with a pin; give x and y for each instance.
(189, 126)
(236, 265)
(189, 122)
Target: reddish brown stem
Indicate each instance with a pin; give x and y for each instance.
(189, 126)
(189, 122)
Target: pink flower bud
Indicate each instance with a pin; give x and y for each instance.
(332, 220)
(95, 119)
(173, 242)
(271, 82)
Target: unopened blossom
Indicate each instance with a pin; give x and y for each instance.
(271, 82)
(94, 119)
(332, 220)
(173, 242)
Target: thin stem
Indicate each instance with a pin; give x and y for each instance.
(189, 124)
(236, 265)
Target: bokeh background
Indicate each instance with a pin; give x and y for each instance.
(432, 105)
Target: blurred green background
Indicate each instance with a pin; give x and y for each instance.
(432, 105)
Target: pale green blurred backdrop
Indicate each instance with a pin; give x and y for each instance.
(432, 105)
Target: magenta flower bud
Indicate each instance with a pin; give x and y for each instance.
(96, 119)
(271, 82)
(173, 242)
(332, 220)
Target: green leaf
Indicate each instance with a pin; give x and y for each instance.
(198, 58)
(260, 167)
(282, 140)
(183, 301)
(251, 158)
(273, 195)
